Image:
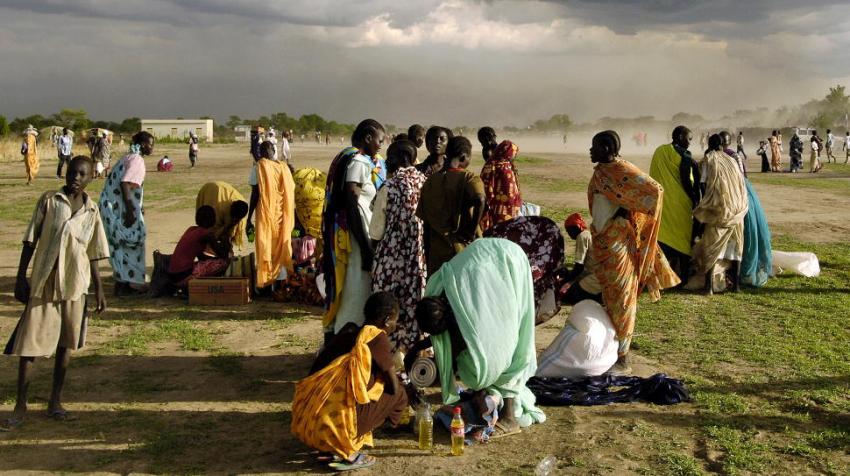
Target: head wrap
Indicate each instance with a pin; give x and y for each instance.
(575, 220)
(506, 151)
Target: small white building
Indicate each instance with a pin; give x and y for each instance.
(179, 128)
(243, 133)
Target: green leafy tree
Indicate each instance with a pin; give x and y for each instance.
(832, 109)
(75, 119)
(233, 121)
(131, 125)
(558, 122)
(4, 126)
(19, 124)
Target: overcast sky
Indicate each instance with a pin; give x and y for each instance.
(431, 61)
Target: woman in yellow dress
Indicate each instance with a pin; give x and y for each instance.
(29, 149)
(352, 388)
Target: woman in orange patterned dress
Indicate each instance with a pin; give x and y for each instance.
(625, 204)
(500, 186)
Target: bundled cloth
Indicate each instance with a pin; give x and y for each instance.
(164, 165)
(658, 389)
(800, 262)
(586, 346)
(309, 200)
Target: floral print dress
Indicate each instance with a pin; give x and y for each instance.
(399, 265)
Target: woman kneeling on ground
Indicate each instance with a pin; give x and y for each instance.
(480, 314)
(352, 388)
(199, 243)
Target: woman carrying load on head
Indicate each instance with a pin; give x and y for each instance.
(347, 256)
(625, 205)
(29, 149)
(501, 186)
(399, 254)
(121, 206)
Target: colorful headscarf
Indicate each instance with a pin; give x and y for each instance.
(505, 151)
(575, 220)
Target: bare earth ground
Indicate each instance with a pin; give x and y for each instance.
(163, 387)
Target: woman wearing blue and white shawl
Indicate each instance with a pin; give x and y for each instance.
(121, 205)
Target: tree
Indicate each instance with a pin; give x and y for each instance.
(4, 126)
(19, 124)
(832, 109)
(74, 119)
(233, 121)
(558, 122)
(687, 119)
(131, 125)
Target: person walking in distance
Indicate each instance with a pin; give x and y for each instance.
(741, 145)
(63, 147)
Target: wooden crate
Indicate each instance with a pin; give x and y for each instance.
(219, 291)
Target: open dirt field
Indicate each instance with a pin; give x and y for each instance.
(163, 387)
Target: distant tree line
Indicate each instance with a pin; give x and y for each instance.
(829, 112)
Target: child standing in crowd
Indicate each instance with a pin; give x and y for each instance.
(762, 152)
(66, 237)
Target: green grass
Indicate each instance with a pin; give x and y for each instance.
(677, 464)
(555, 185)
(138, 341)
(768, 368)
(530, 160)
(805, 181)
(741, 451)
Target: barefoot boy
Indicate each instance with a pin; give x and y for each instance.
(66, 236)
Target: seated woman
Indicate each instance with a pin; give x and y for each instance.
(579, 282)
(480, 314)
(352, 388)
(198, 242)
(542, 242)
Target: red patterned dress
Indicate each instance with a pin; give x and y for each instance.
(500, 186)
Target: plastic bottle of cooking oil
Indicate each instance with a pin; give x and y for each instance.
(426, 427)
(457, 433)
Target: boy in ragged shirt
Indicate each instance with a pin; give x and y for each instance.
(66, 237)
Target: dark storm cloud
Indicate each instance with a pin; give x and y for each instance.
(629, 16)
(435, 61)
(200, 12)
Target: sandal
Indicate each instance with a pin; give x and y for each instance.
(61, 415)
(328, 458)
(361, 461)
(11, 423)
(502, 431)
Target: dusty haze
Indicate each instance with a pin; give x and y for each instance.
(430, 61)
